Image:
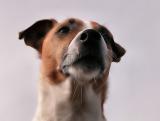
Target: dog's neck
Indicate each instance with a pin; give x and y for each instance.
(65, 102)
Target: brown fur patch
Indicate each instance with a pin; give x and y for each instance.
(53, 49)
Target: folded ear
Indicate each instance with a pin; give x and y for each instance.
(34, 35)
(118, 50)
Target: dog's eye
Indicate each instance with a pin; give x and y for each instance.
(64, 30)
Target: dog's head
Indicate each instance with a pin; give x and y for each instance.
(81, 50)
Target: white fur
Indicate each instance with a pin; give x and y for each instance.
(94, 106)
(51, 97)
(80, 75)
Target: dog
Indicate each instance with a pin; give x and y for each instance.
(75, 61)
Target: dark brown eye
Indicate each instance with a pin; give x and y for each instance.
(64, 30)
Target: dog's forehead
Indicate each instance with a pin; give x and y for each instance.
(70, 20)
(81, 23)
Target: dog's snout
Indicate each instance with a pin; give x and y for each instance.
(89, 35)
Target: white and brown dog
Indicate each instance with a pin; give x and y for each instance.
(75, 62)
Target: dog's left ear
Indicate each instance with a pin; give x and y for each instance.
(34, 35)
(118, 50)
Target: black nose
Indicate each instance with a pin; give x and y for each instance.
(84, 37)
(89, 35)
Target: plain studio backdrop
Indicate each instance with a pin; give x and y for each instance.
(134, 83)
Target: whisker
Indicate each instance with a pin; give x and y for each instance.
(95, 81)
(81, 94)
(75, 90)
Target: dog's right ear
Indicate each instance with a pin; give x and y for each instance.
(34, 35)
(117, 49)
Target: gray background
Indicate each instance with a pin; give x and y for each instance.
(134, 91)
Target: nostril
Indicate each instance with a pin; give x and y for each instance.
(84, 37)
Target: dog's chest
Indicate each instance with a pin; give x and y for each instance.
(55, 104)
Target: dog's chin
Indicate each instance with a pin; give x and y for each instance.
(82, 76)
(84, 69)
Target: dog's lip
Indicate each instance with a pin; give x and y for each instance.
(68, 59)
(71, 59)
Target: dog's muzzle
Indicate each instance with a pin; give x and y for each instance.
(86, 52)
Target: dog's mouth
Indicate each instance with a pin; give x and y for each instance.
(86, 62)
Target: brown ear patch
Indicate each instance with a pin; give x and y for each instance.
(34, 35)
